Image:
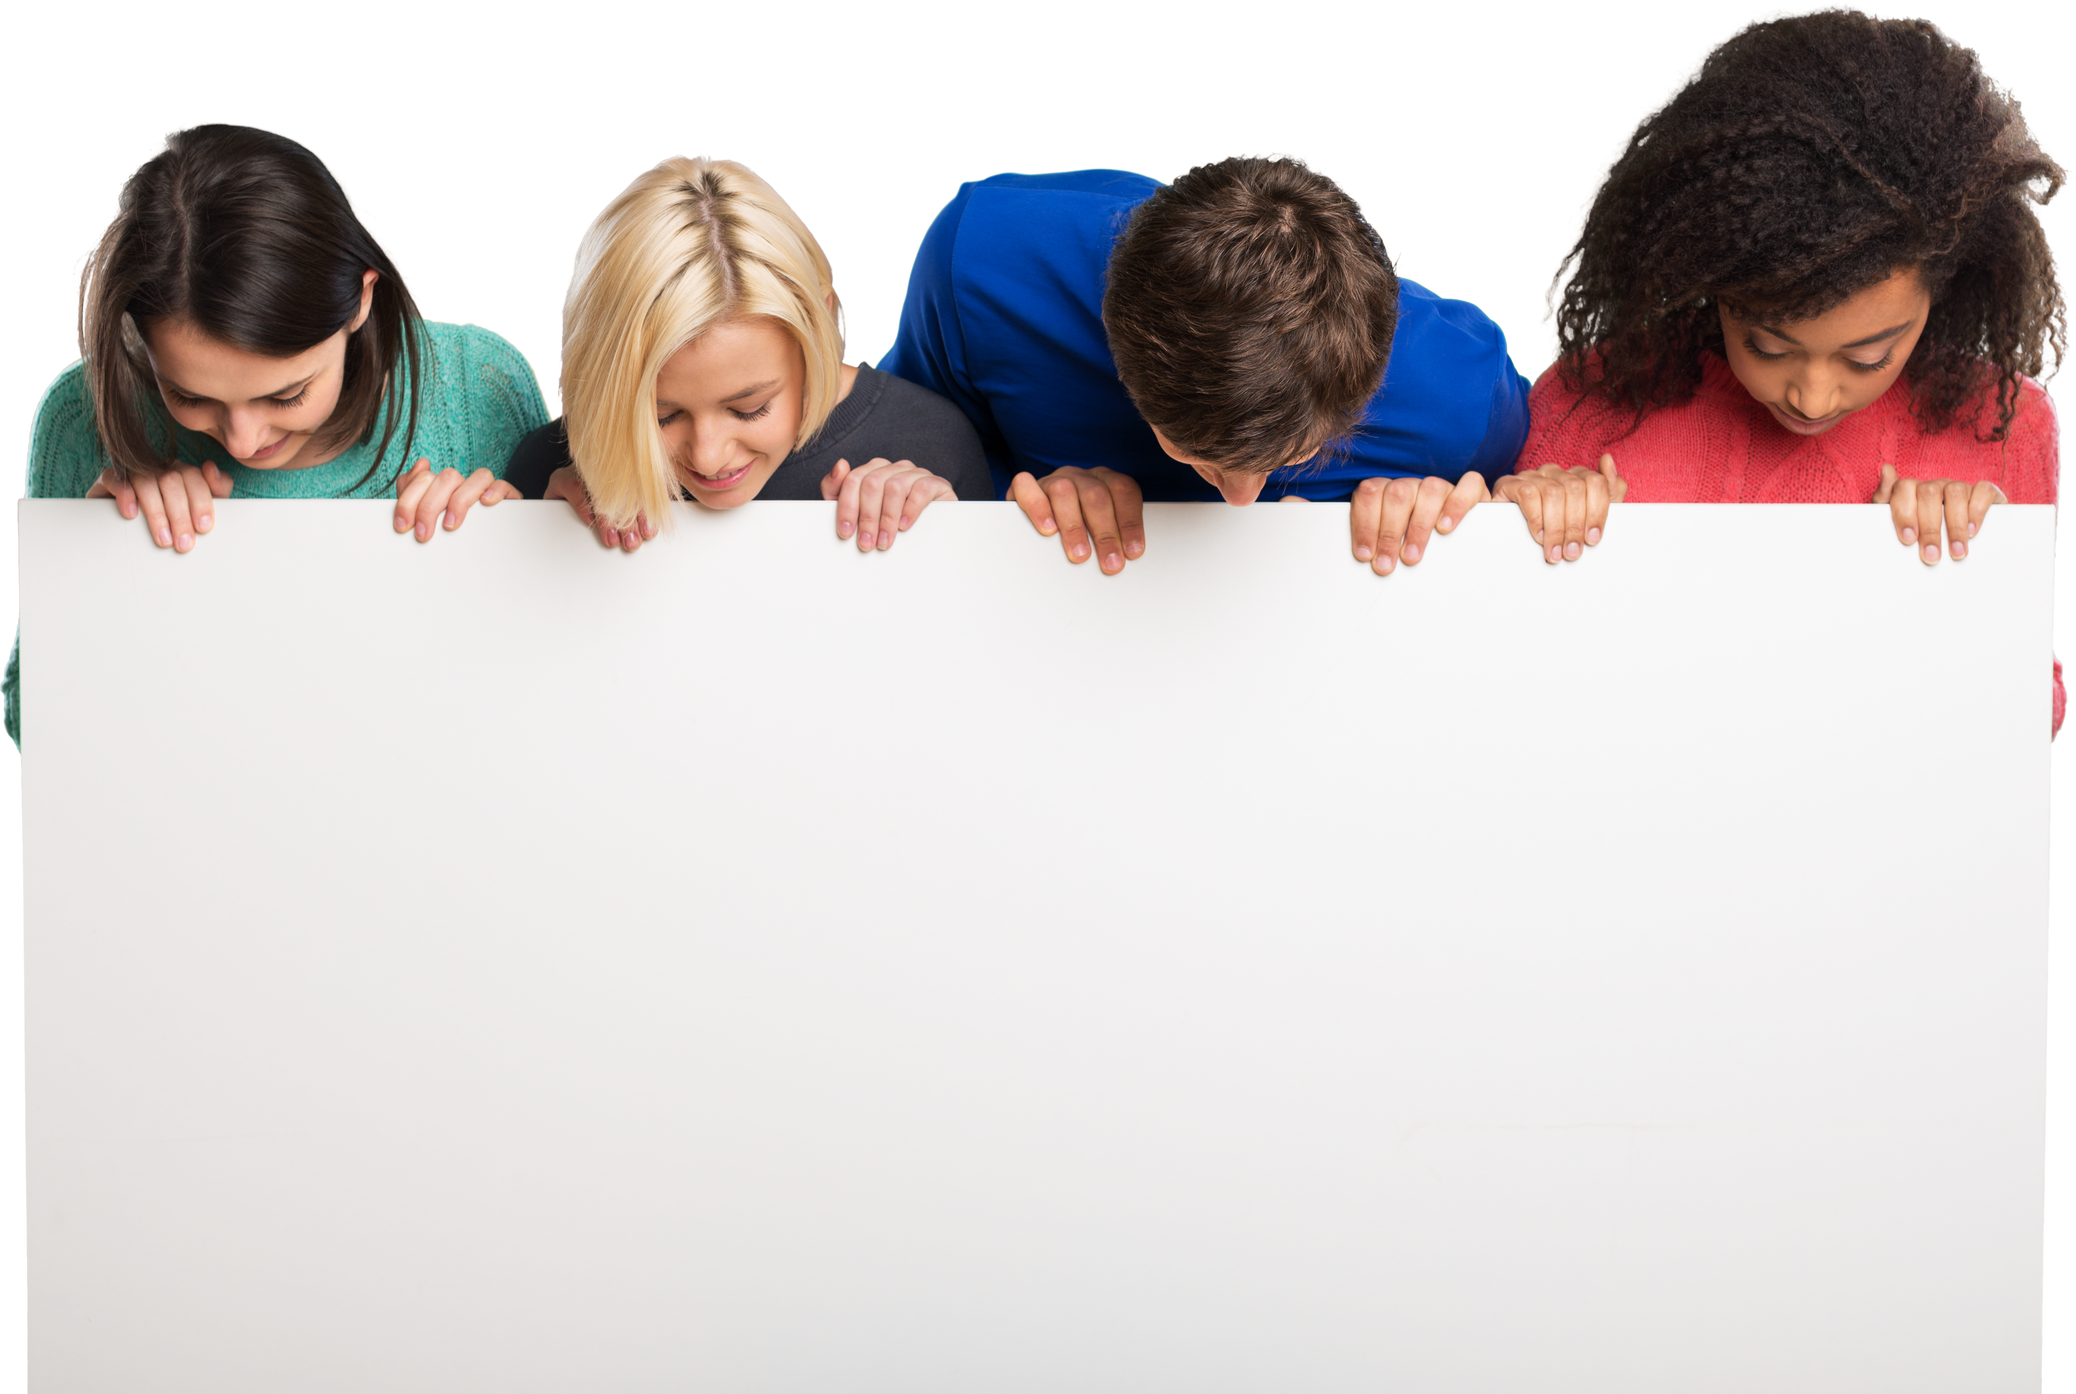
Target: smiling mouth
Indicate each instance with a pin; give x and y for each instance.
(269, 452)
(724, 481)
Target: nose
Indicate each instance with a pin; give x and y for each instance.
(1814, 393)
(1241, 489)
(245, 433)
(711, 451)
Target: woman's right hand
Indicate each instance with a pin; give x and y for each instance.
(1565, 509)
(178, 504)
(566, 484)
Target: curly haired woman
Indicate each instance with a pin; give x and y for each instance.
(1815, 276)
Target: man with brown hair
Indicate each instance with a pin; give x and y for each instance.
(1115, 340)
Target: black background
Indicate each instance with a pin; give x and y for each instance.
(1468, 144)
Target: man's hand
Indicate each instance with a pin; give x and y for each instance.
(1916, 507)
(178, 505)
(1077, 503)
(1390, 520)
(1565, 509)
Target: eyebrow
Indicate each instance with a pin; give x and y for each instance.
(288, 391)
(1857, 343)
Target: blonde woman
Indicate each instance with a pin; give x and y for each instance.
(702, 358)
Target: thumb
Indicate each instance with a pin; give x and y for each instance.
(1617, 486)
(1887, 488)
(832, 482)
(219, 482)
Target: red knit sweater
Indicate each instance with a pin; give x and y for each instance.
(1721, 446)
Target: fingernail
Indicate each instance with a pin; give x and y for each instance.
(186, 541)
(423, 530)
(1960, 549)
(1412, 552)
(1571, 551)
(1133, 549)
(1444, 524)
(1538, 534)
(1555, 554)
(165, 538)
(402, 522)
(1592, 537)
(1384, 565)
(886, 539)
(447, 518)
(1971, 529)
(612, 537)
(1931, 551)
(1079, 551)
(1048, 527)
(906, 522)
(1909, 536)
(1112, 561)
(845, 529)
(203, 523)
(1362, 554)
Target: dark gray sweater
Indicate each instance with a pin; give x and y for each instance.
(884, 417)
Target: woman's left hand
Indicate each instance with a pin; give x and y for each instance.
(1916, 507)
(881, 499)
(422, 497)
(1390, 520)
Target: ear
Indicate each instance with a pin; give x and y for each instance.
(830, 300)
(367, 300)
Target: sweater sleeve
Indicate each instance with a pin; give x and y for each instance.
(65, 458)
(1565, 427)
(65, 455)
(930, 344)
(2032, 448)
(503, 398)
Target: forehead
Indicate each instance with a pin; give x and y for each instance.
(1884, 305)
(210, 367)
(728, 357)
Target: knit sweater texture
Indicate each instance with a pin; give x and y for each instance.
(479, 399)
(1722, 446)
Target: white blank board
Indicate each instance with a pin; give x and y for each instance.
(752, 966)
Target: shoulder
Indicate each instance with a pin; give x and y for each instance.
(2032, 447)
(1080, 185)
(65, 456)
(1032, 212)
(912, 422)
(910, 403)
(474, 365)
(474, 351)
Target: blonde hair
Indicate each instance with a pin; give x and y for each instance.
(686, 246)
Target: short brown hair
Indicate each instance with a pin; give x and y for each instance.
(245, 235)
(1250, 310)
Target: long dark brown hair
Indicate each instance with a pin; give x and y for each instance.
(245, 235)
(1809, 159)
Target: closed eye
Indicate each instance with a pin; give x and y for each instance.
(764, 410)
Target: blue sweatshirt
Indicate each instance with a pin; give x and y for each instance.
(1005, 317)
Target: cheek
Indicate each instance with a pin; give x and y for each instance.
(1760, 378)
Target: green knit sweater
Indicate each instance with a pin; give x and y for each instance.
(479, 400)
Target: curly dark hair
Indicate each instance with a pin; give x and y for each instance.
(1809, 159)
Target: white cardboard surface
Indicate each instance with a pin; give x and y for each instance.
(752, 966)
